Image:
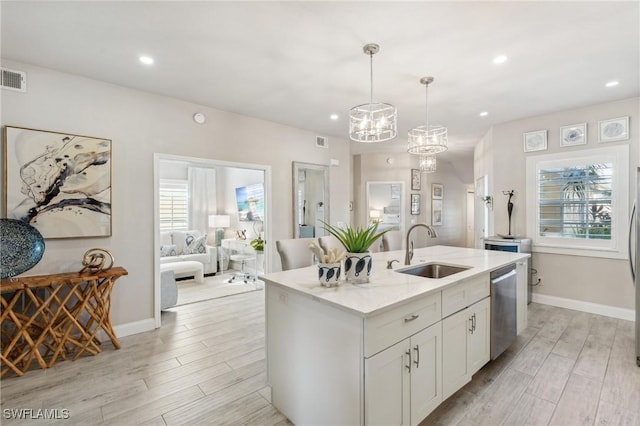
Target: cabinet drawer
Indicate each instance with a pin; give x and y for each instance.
(388, 328)
(464, 294)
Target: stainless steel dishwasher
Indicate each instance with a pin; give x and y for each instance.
(503, 309)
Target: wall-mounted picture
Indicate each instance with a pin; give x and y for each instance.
(250, 202)
(436, 212)
(58, 182)
(535, 141)
(415, 204)
(415, 180)
(575, 134)
(615, 129)
(437, 191)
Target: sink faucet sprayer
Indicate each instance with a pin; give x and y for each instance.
(409, 247)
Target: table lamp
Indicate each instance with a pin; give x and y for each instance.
(374, 216)
(219, 222)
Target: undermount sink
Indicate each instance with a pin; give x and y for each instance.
(433, 270)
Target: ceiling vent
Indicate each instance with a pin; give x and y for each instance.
(322, 142)
(13, 80)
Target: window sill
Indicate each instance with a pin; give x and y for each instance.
(580, 251)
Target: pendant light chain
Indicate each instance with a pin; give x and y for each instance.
(371, 77)
(426, 102)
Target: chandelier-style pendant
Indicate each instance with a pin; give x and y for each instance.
(427, 163)
(427, 139)
(373, 122)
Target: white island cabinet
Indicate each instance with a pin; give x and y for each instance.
(386, 352)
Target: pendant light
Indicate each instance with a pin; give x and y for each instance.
(372, 122)
(427, 139)
(427, 163)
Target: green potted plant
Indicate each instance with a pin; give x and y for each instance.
(257, 244)
(358, 261)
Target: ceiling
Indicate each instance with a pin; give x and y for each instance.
(296, 63)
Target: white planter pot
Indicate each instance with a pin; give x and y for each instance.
(357, 267)
(329, 274)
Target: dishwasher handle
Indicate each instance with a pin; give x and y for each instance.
(500, 278)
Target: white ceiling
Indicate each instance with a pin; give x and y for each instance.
(298, 62)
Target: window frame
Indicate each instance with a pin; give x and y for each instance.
(615, 247)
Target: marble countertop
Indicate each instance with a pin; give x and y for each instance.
(389, 288)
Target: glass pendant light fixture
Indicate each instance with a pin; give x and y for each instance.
(372, 122)
(427, 163)
(428, 139)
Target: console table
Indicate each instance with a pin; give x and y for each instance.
(50, 317)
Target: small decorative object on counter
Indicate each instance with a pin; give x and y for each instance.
(329, 266)
(509, 207)
(329, 274)
(96, 260)
(358, 261)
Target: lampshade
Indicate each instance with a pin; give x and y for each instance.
(374, 214)
(427, 163)
(219, 221)
(373, 122)
(427, 139)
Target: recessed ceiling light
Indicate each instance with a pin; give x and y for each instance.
(500, 59)
(147, 60)
(484, 114)
(612, 83)
(334, 117)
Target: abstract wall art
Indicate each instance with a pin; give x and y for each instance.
(57, 182)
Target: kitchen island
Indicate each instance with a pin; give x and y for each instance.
(386, 352)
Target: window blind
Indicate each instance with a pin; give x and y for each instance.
(576, 201)
(174, 205)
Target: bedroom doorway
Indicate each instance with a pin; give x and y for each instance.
(223, 206)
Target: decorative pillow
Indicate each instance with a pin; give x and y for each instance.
(195, 245)
(168, 250)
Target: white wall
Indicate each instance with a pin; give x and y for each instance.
(141, 124)
(501, 155)
(375, 167)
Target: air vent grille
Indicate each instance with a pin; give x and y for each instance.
(322, 142)
(13, 80)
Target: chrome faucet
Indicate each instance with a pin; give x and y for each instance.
(409, 247)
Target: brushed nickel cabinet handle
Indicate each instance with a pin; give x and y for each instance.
(411, 318)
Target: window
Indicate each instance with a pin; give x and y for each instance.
(174, 205)
(579, 200)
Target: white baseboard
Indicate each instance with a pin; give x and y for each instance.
(130, 328)
(579, 305)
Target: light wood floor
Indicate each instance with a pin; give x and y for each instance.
(206, 366)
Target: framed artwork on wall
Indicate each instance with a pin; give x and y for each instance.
(415, 204)
(415, 180)
(575, 134)
(59, 183)
(437, 191)
(615, 129)
(535, 141)
(436, 212)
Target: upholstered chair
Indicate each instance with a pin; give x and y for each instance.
(329, 241)
(392, 240)
(294, 253)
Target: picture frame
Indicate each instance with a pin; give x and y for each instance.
(614, 129)
(416, 184)
(436, 212)
(437, 191)
(415, 204)
(535, 141)
(574, 134)
(59, 183)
